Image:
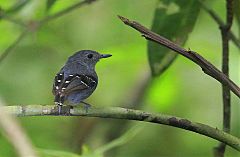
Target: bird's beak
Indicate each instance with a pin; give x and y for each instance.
(105, 55)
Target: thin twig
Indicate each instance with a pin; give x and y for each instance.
(15, 134)
(65, 11)
(219, 21)
(13, 45)
(225, 29)
(206, 66)
(4, 16)
(127, 114)
(17, 6)
(36, 24)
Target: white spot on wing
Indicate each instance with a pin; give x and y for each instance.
(84, 83)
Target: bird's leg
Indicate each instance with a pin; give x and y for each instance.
(59, 109)
(86, 106)
(59, 99)
(60, 105)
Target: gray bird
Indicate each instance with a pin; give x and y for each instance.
(77, 79)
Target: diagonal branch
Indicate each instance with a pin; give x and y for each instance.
(128, 114)
(206, 66)
(4, 16)
(13, 45)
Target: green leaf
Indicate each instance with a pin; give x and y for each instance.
(50, 3)
(173, 19)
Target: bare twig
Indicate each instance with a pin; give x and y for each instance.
(15, 134)
(206, 66)
(34, 25)
(128, 114)
(219, 21)
(13, 45)
(4, 16)
(65, 11)
(225, 29)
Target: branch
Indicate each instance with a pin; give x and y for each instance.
(206, 66)
(225, 29)
(13, 45)
(65, 11)
(219, 21)
(128, 114)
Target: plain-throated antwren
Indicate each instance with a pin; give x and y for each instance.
(77, 79)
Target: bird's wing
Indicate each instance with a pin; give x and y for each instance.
(77, 83)
(73, 83)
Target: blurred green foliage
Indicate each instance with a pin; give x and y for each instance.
(183, 90)
(174, 20)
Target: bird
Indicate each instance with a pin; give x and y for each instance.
(77, 79)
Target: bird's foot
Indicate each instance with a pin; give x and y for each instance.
(86, 106)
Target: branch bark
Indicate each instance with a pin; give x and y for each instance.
(206, 66)
(128, 114)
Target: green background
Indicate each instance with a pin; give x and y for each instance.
(183, 90)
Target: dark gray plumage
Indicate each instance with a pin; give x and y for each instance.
(78, 79)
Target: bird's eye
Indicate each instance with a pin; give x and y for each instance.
(90, 56)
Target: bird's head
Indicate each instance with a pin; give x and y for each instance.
(87, 57)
